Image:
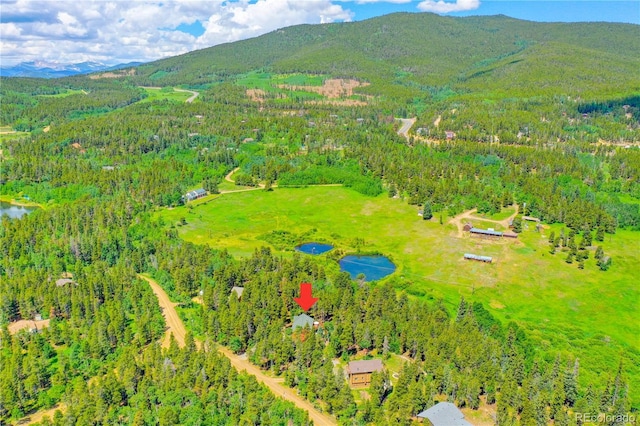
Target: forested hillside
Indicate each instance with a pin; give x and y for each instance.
(537, 123)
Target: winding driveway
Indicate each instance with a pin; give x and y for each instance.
(193, 94)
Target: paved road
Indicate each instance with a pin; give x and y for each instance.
(176, 326)
(193, 94)
(406, 125)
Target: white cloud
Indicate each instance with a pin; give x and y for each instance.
(121, 31)
(441, 6)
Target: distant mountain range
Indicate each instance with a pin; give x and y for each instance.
(42, 69)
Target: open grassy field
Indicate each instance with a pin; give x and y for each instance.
(158, 94)
(590, 313)
(64, 94)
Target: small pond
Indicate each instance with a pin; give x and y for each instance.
(14, 211)
(314, 248)
(373, 267)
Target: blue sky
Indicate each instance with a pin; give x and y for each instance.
(118, 31)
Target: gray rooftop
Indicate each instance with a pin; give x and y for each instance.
(302, 321)
(478, 257)
(486, 232)
(238, 291)
(63, 281)
(368, 366)
(444, 414)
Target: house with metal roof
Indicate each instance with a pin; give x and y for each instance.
(195, 194)
(64, 281)
(469, 256)
(444, 414)
(302, 321)
(486, 232)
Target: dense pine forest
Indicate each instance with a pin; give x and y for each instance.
(541, 116)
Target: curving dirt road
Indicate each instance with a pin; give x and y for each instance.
(175, 326)
(194, 94)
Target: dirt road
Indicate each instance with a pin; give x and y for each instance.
(228, 176)
(194, 94)
(174, 323)
(406, 125)
(458, 220)
(16, 326)
(176, 327)
(39, 415)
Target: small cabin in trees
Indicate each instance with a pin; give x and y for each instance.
(63, 281)
(195, 194)
(359, 372)
(450, 135)
(237, 291)
(302, 321)
(444, 414)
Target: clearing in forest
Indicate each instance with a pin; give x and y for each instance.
(526, 284)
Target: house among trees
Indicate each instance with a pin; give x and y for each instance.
(302, 321)
(469, 256)
(359, 372)
(237, 291)
(450, 135)
(195, 194)
(64, 281)
(444, 414)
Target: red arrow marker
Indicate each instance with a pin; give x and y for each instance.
(306, 299)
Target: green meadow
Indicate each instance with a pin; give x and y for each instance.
(588, 312)
(168, 93)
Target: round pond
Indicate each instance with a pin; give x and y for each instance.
(314, 248)
(373, 267)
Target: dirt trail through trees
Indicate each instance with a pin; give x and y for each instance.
(176, 327)
(174, 323)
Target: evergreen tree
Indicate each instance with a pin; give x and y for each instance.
(426, 211)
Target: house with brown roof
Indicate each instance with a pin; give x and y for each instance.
(359, 372)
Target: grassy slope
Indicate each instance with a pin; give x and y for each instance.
(587, 312)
